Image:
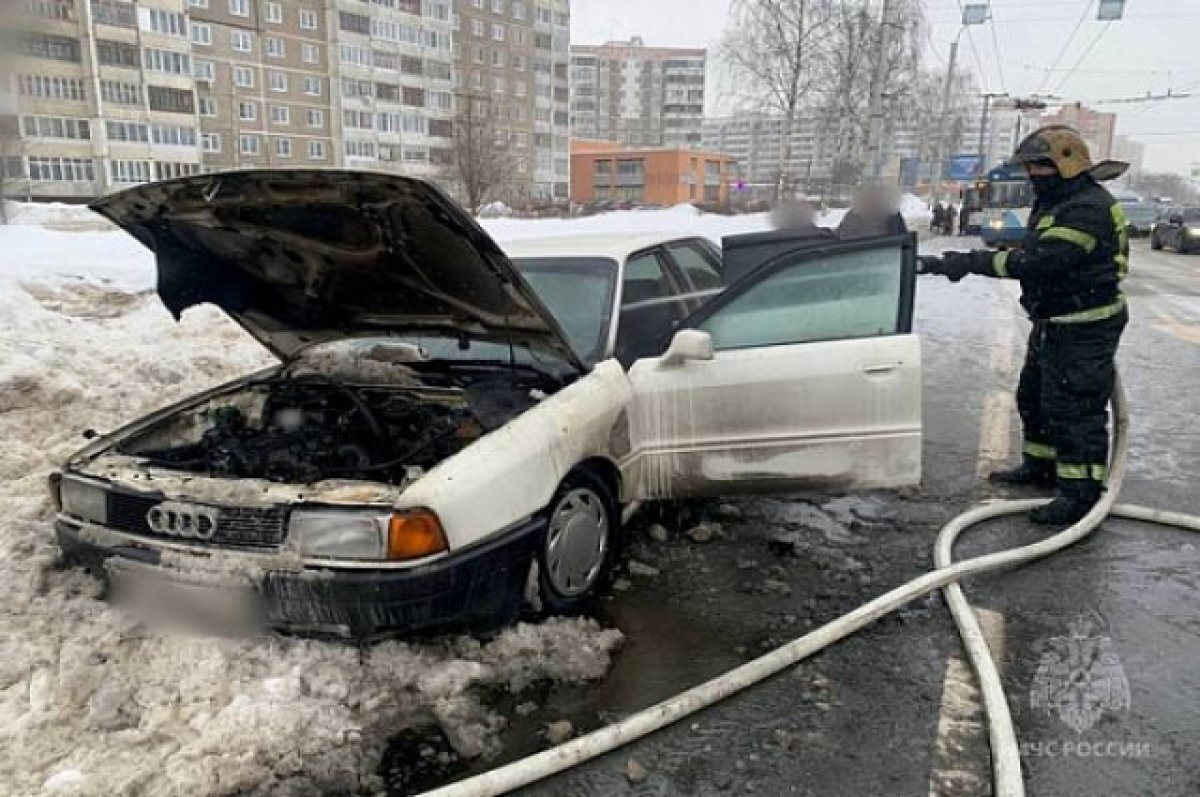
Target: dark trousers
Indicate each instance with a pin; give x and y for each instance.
(1063, 396)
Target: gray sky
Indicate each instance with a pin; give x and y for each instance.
(1152, 50)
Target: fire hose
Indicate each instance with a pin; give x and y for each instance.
(1006, 761)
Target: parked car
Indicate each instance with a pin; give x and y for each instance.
(1140, 217)
(1179, 229)
(450, 424)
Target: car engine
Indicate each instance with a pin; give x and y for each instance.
(310, 427)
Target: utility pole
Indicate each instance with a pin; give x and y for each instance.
(940, 150)
(875, 106)
(983, 130)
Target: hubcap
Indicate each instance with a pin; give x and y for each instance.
(576, 542)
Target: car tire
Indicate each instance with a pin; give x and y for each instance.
(1155, 242)
(576, 556)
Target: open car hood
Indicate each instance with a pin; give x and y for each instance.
(302, 257)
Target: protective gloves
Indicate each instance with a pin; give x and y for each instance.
(956, 265)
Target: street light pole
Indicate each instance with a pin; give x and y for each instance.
(939, 151)
(983, 130)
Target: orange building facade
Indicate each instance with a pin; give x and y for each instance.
(603, 171)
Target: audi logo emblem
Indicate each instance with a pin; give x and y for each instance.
(187, 521)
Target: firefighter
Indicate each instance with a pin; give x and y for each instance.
(1070, 264)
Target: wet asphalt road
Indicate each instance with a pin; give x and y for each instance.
(893, 710)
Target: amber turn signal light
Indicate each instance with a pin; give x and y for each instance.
(415, 535)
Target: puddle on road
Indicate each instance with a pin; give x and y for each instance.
(666, 652)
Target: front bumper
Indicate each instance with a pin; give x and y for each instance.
(479, 587)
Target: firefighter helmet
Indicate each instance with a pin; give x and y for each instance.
(1063, 147)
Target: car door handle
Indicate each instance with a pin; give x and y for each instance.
(881, 369)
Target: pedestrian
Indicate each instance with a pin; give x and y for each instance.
(951, 215)
(939, 218)
(1070, 266)
(874, 213)
(964, 219)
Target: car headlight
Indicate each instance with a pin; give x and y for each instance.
(1193, 231)
(366, 536)
(84, 500)
(997, 224)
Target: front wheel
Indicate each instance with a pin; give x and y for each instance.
(576, 558)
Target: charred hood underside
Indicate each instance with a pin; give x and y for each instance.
(306, 257)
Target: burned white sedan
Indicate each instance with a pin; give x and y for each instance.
(450, 424)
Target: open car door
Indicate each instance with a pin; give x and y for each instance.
(804, 374)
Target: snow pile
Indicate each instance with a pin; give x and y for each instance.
(682, 220)
(94, 702)
(55, 216)
(916, 211)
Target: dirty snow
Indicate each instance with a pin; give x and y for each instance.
(92, 701)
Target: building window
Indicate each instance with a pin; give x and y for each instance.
(283, 147)
(497, 32)
(168, 61)
(247, 111)
(312, 86)
(117, 14)
(248, 145)
(477, 28)
(316, 150)
(57, 127)
(441, 100)
(171, 100)
(207, 106)
(241, 41)
(168, 23)
(57, 48)
(281, 115)
(360, 149)
(497, 6)
(316, 118)
(57, 170)
(275, 47)
(210, 142)
(413, 97)
(243, 77)
(121, 93)
(110, 53)
(55, 88)
(197, 3)
(127, 132)
(201, 33)
(123, 171)
(308, 19)
(273, 13)
(310, 53)
(278, 81)
(203, 71)
(518, 10)
(239, 8)
(169, 170)
(173, 135)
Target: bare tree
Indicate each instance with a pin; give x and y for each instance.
(1165, 184)
(772, 49)
(482, 164)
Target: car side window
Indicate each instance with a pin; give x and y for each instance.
(701, 270)
(843, 295)
(650, 308)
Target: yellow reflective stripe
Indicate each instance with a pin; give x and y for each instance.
(1039, 450)
(1065, 471)
(1093, 471)
(1080, 238)
(1095, 314)
(1122, 228)
(1045, 222)
(1000, 263)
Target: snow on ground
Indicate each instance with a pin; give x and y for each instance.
(92, 702)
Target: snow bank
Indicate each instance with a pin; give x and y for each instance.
(92, 701)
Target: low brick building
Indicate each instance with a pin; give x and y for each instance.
(603, 171)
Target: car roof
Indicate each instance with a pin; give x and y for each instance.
(618, 246)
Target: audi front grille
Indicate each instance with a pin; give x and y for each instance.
(239, 527)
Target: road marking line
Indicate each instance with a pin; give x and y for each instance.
(961, 724)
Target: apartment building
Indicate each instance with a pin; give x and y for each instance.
(392, 84)
(102, 94)
(98, 95)
(638, 95)
(260, 72)
(604, 171)
(756, 144)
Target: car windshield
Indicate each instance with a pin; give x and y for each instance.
(578, 292)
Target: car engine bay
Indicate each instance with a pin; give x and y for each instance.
(306, 427)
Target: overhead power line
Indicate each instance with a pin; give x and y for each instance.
(1087, 5)
(996, 45)
(1086, 52)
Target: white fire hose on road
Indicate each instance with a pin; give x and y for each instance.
(1006, 761)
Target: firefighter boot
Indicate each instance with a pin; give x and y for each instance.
(1032, 472)
(1075, 499)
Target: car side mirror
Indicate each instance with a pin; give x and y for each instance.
(687, 345)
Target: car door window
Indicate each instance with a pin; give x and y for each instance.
(856, 292)
(650, 308)
(700, 268)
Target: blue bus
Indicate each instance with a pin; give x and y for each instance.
(999, 206)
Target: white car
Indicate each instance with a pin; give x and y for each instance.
(446, 415)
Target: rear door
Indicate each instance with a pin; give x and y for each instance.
(815, 382)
